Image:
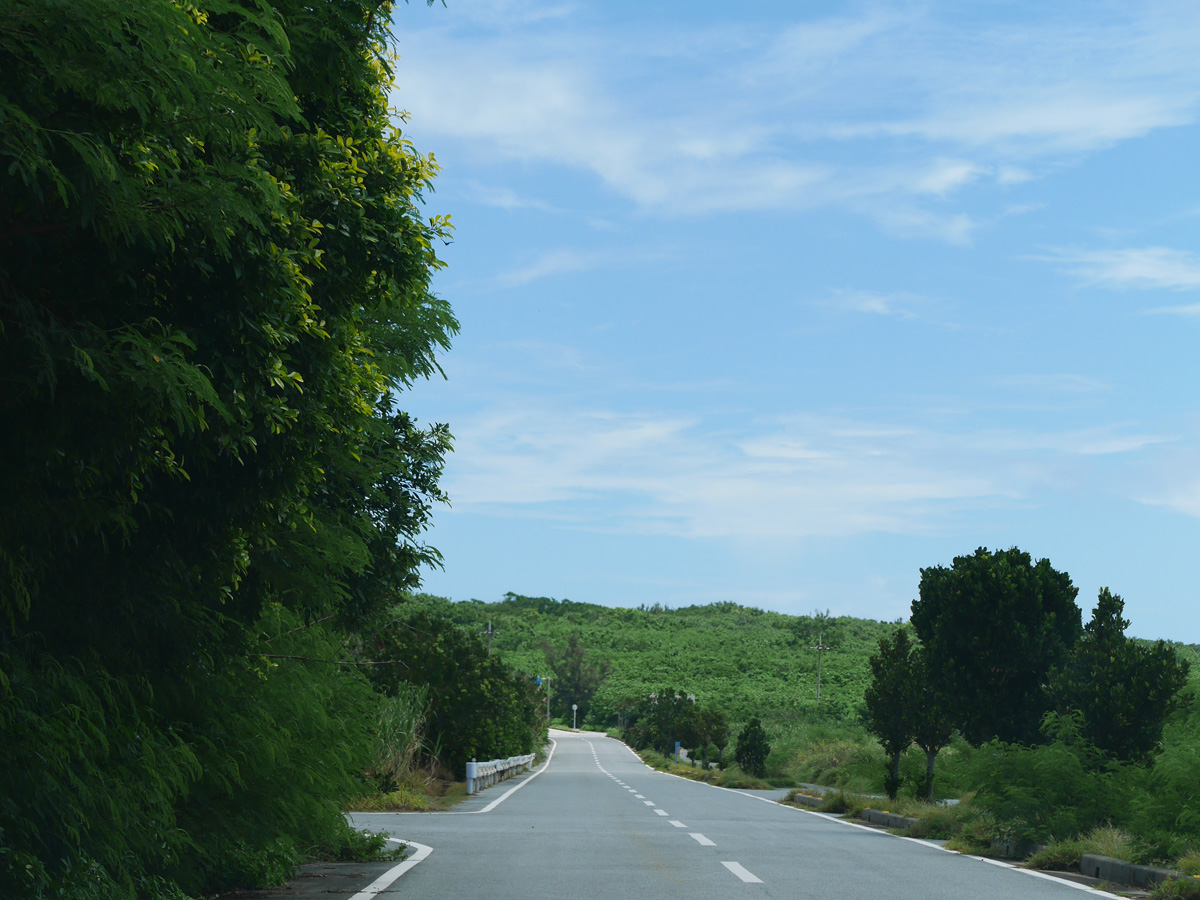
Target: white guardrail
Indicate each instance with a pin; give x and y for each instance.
(485, 774)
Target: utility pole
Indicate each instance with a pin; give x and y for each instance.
(491, 633)
(820, 648)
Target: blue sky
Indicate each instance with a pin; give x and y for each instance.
(779, 303)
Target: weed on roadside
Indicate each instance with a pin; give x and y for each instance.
(1178, 889)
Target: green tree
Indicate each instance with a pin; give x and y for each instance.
(932, 728)
(661, 719)
(214, 283)
(478, 707)
(712, 729)
(890, 711)
(993, 625)
(752, 749)
(1124, 689)
(576, 677)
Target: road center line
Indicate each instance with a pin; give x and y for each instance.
(738, 870)
(702, 840)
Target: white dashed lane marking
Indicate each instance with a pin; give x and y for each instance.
(739, 870)
(661, 812)
(677, 823)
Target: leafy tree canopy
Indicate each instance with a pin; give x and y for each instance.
(1124, 689)
(993, 626)
(752, 749)
(479, 708)
(214, 281)
(576, 677)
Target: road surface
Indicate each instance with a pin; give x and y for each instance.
(598, 824)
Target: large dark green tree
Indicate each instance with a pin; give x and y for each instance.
(993, 625)
(214, 280)
(1124, 689)
(576, 677)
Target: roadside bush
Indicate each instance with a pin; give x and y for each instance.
(1058, 855)
(752, 749)
(1177, 889)
(1189, 863)
(1046, 792)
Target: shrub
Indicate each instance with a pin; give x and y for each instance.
(1178, 889)
(753, 749)
(1189, 863)
(1060, 855)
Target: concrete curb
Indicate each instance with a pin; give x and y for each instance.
(887, 819)
(1120, 872)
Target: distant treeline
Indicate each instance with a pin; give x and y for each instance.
(743, 660)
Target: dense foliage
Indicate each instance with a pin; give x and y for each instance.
(575, 678)
(214, 278)
(1124, 690)
(994, 624)
(740, 660)
(753, 749)
(890, 700)
(478, 707)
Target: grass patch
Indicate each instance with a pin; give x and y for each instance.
(1116, 843)
(1104, 840)
(844, 803)
(406, 798)
(731, 777)
(1058, 856)
(1189, 863)
(432, 795)
(1178, 889)
(941, 822)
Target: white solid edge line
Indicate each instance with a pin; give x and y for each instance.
(740, 871)
(384, 881)
(512, 790)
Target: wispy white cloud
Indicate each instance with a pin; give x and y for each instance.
(809, 475)
(569, 260)
(747, 125)
(1135, 267)
(551, 263)
(898, 304)
(504, 198)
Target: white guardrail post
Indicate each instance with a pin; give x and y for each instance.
(485, 774)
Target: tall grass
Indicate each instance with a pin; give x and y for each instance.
(400, 732)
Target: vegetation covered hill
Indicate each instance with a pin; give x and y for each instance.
(743, 660)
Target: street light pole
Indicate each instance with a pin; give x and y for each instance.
(490, 634)
(820, 648)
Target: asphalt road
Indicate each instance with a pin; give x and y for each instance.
(597, 823)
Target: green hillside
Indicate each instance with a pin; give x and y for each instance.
(743, 660)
